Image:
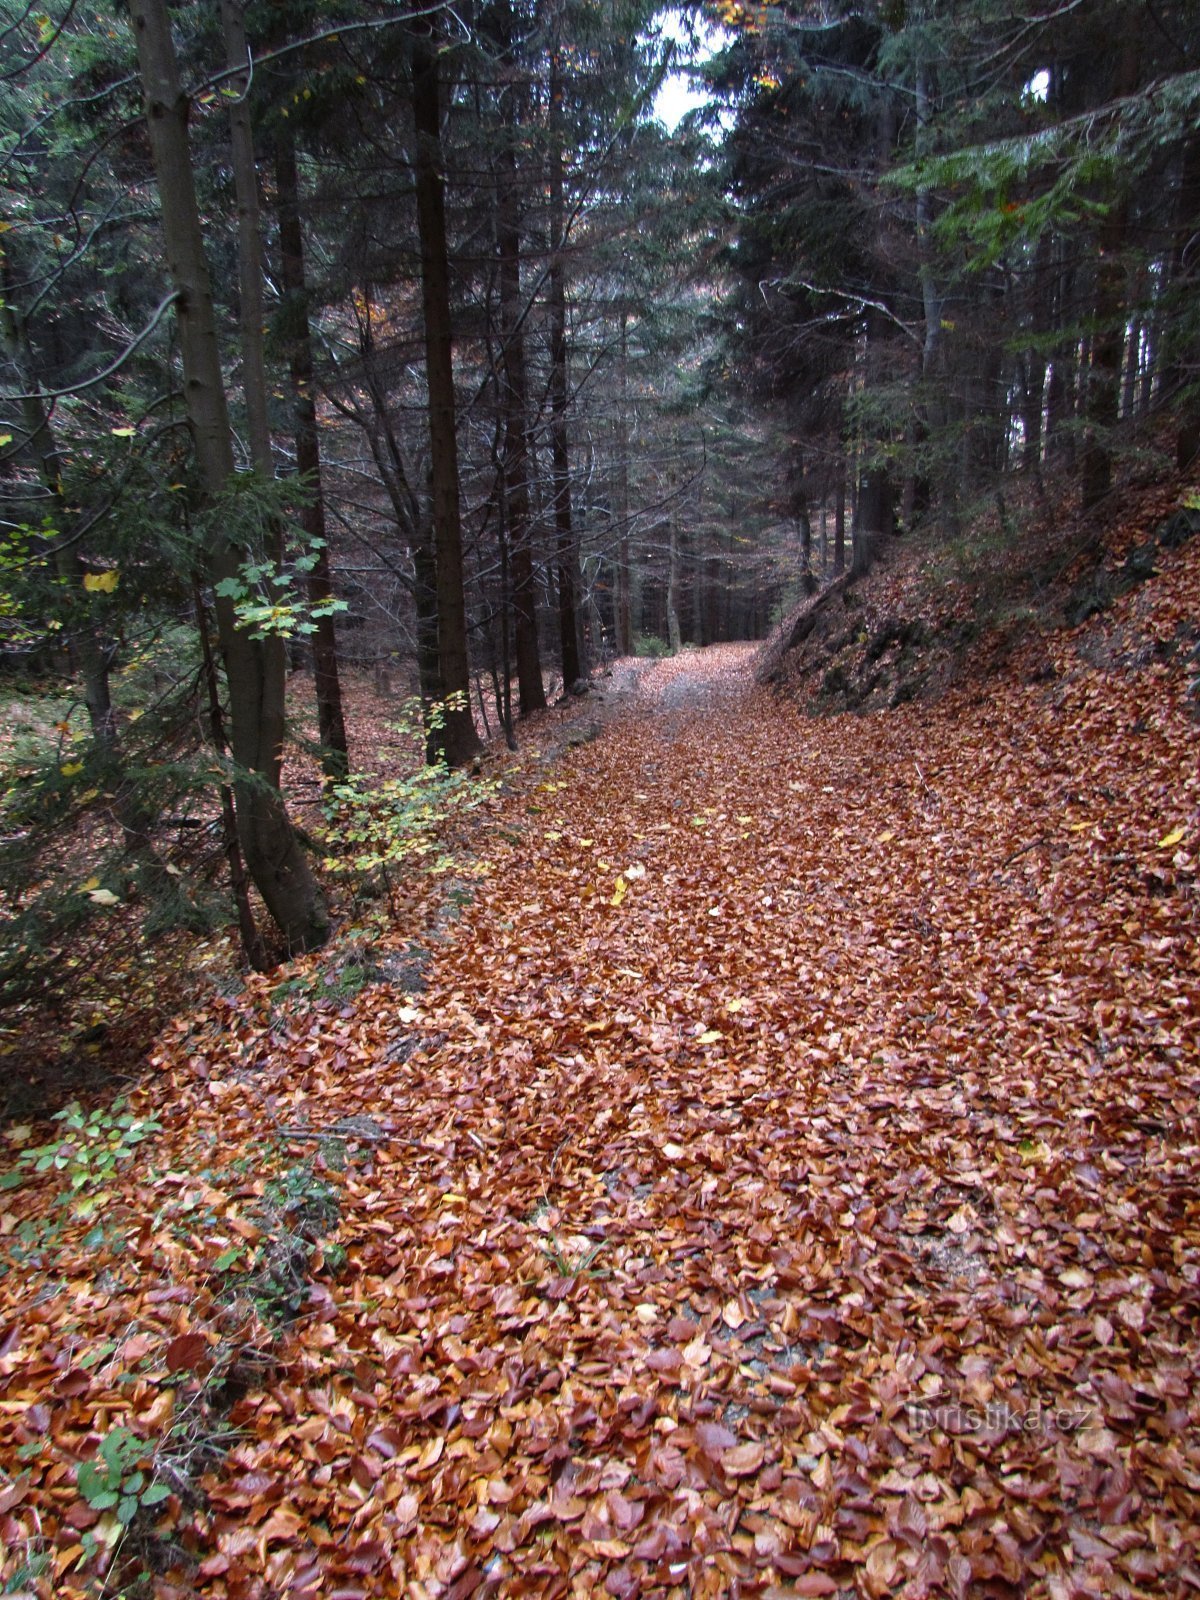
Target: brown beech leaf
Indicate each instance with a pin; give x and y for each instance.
(743, 1459)
(186, 1352)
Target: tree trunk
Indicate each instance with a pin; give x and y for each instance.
(674, 635)
(873, 518)
(335, 758)
(457, 740)
(1103, 390)
(1182, 373)
(252, 315)
(515, 402)
(573, 665)
(254, 668)
(624, 620)
(839, 522)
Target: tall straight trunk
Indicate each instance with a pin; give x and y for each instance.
(697, 628)
(254, 668)
(413, 526)
(335, 758)
(1182, 371)
(1102, 393)
(457, 740)
(515, 404)
(252, 941)
(839, 522)
(624, 621)
(931, 300)
(1130, 368)
(568, 558)
(874, 517)
(252, 315)
(1103, 390)
(803, 520)
(674, 635)
(1033, 382)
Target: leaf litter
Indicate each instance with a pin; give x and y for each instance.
(813, 1214)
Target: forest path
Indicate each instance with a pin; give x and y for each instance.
(777, 1081)
(783, 1184)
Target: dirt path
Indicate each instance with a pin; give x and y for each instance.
(785, 1183)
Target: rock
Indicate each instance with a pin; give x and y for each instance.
(1137, 567)
(1178, 528)
(1089, 600)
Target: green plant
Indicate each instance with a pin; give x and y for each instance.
(115, 1479)
(374, 826)
(649, 644)
(568, 1266)
(37, 1564)
(297, 1209)
(94, 1145)
(343, 984)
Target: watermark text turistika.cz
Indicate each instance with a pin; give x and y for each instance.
(998, 1417)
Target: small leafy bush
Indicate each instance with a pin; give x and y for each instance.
(374, 825)
(650, 645)
(115, 1480)
(94, 1145)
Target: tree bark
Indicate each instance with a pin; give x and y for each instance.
(457, 740)
(1103, 387)
(515, 401)
(254, 668)
(252, 314)
(624, 628)
(335, 757)
(573, 664)
(674, 635)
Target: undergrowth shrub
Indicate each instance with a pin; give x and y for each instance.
(374, 827)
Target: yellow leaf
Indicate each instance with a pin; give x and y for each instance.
(5, 438)
(103, 897)
(1078, 827)
(734, 1006)
(886, 838)
(86, 888)
(1175, 835)
(712, 1036)
(71, 769)
(101, 582)
(586, 844)
(619, 892)
(123, 433)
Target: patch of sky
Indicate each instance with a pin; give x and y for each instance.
(696, 40)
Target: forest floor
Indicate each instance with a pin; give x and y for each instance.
(768, 1168)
